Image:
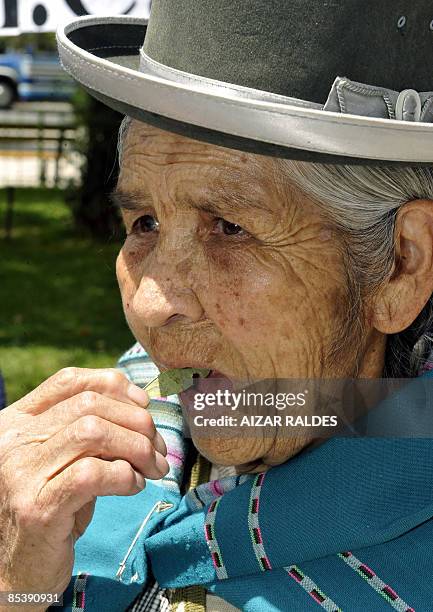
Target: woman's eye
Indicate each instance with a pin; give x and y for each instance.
(229, 229)
(145, 224)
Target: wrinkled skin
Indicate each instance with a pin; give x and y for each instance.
(266, 299)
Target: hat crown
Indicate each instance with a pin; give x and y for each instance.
(296, 47)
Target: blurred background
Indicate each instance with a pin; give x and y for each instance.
(59, 235)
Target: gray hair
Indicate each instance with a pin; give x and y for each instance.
(123, 129)
(361, 203)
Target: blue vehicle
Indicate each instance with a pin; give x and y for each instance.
(28, 76)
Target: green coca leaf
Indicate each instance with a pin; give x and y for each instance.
(173, 381)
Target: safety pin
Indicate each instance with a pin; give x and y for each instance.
(160, 506)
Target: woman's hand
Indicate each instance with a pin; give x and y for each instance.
(80, 434)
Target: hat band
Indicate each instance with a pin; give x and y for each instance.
(211, 86)
(353, 98)
(346, 96)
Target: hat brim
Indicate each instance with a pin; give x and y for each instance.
(103, 55)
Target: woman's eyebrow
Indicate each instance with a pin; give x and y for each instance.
(222, 201)
(130, 200)
(217, 203)
(135, 201)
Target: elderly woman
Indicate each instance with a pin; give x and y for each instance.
(277, 227)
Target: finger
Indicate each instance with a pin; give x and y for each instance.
(82, 481)
(72, 381)
(92, 436)
(130, 416)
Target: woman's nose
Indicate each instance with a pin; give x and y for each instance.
(162, 299)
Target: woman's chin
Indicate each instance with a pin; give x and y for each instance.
(249, 455)
(229, 450)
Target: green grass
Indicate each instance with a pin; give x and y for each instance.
(60, 304)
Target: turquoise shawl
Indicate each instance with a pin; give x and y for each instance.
(345, 526)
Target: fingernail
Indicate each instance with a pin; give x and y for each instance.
(161, 464)
(139, 396)
(141, 481)
(159, 444)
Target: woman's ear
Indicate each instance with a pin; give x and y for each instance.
(410, 285)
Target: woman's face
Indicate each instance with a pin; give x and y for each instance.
(227, 267)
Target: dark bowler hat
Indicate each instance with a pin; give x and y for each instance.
(337, 81)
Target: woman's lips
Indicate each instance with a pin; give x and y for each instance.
(216, 374)
(215, 381)
(174, 365)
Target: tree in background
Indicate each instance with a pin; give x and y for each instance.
(90, 204)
